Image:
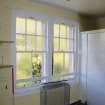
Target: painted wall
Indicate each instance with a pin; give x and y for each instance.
(6, 8)
(101, 22)
(88, 23)
(98, 21)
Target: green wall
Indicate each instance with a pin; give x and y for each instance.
(101, 22)
(88, 23)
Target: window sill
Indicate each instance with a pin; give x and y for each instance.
(36, 89)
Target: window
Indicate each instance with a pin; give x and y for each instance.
(63, 52)
(45, 50)
(31, 48)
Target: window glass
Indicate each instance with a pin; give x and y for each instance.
(69, 45)
(56, 30)
(31, 26)
(68, 63)
(30, 43)
(36, 64)
(28, 83)
(63, 31)
(23, 72)
(39, 43)
(20, 25)
(20, 42)
(56, 44)
(63, 44)
(58, 64)
(39, 28)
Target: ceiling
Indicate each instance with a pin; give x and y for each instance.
(87, 7)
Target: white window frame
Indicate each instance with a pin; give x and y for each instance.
(75, 25)
(51, 21)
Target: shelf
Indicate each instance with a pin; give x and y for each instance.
(5, 66)
(2, 42)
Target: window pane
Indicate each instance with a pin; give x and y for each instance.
(39, 28)
(63, 44)
(63, 31)
(39, 43)
(57, 64)
(71, 32)
(20, 42)
(20, 25)
(69, 45)
(23, 65)
(28, 83)
(36, 64)
(68, 63)
(30, 26)
(30, 43)
(56, 30)
(56, 44)
(68, 32)
(62, 64)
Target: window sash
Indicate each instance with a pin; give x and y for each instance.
(65, 37)
(26, 35)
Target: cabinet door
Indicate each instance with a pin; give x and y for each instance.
(93, 68)
(6, 86)
(96, 69)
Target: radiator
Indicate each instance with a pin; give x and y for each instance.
(55, 93)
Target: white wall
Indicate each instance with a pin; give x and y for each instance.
(93, 67)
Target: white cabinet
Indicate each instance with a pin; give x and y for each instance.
(93, 67)
(6, 85)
